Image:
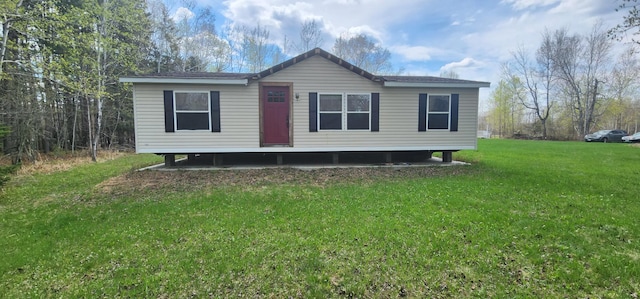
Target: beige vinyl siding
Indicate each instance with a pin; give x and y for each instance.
(239, 116)
(238, 120)
(398, 110)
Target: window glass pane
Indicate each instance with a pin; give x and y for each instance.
(358, 121)
(276, 97)
(357, 102)
(438, 103)
(192, 121)
(330, 102)
(438, 121)
(192, 101)
(330, 121)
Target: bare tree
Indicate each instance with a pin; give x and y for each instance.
(536, 78)
(218, 51)
(361, 51)
(546, 76)
(165, 38)
(233, 36)
(580, 64)
(251, 47)
(451, 74)
(197, 37)
(257, 40)
(310, 36)
(630, 23)
(622, 89)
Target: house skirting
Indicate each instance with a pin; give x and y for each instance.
(287, 158)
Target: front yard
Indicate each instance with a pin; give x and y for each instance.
(526, 219)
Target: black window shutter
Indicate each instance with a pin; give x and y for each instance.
(375, 112)
(422, 112)
(455, 99)
(168, 111)
(215, 111)
(313, 112)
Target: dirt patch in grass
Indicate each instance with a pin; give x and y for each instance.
(176, 181)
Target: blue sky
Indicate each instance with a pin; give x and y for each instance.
(425, 37)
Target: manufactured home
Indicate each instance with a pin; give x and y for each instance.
(313, 103)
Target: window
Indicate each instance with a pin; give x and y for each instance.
(192, 111)
(330, 112)
(358, 111)
(276, 97)
(334, 113)
(438, 112)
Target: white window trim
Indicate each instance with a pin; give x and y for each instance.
(448, 113)
(344, 112)
(175, 110)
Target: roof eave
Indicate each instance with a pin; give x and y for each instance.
(184, 80)
(437, 85)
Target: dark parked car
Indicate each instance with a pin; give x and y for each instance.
(633, 138)
(606, 136)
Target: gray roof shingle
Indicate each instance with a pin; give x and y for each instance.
(196, 75)
(425, 79)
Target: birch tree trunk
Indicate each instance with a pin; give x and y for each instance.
(7, 20)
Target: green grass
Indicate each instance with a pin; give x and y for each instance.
(527, 219)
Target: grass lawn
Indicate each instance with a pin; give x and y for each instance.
(526, 219)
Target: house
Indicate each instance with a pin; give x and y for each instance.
(315, 102)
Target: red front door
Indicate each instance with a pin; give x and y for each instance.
(275, 103)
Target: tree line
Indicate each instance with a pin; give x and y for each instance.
(60, 62)
(569, 86)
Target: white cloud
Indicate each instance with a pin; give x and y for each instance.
(581, 7)
(365, 29)
(527, 4)
(572, 7)
(465, 63)
(283, 19)
(182, 13)
(343, 2)
(413, 53)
